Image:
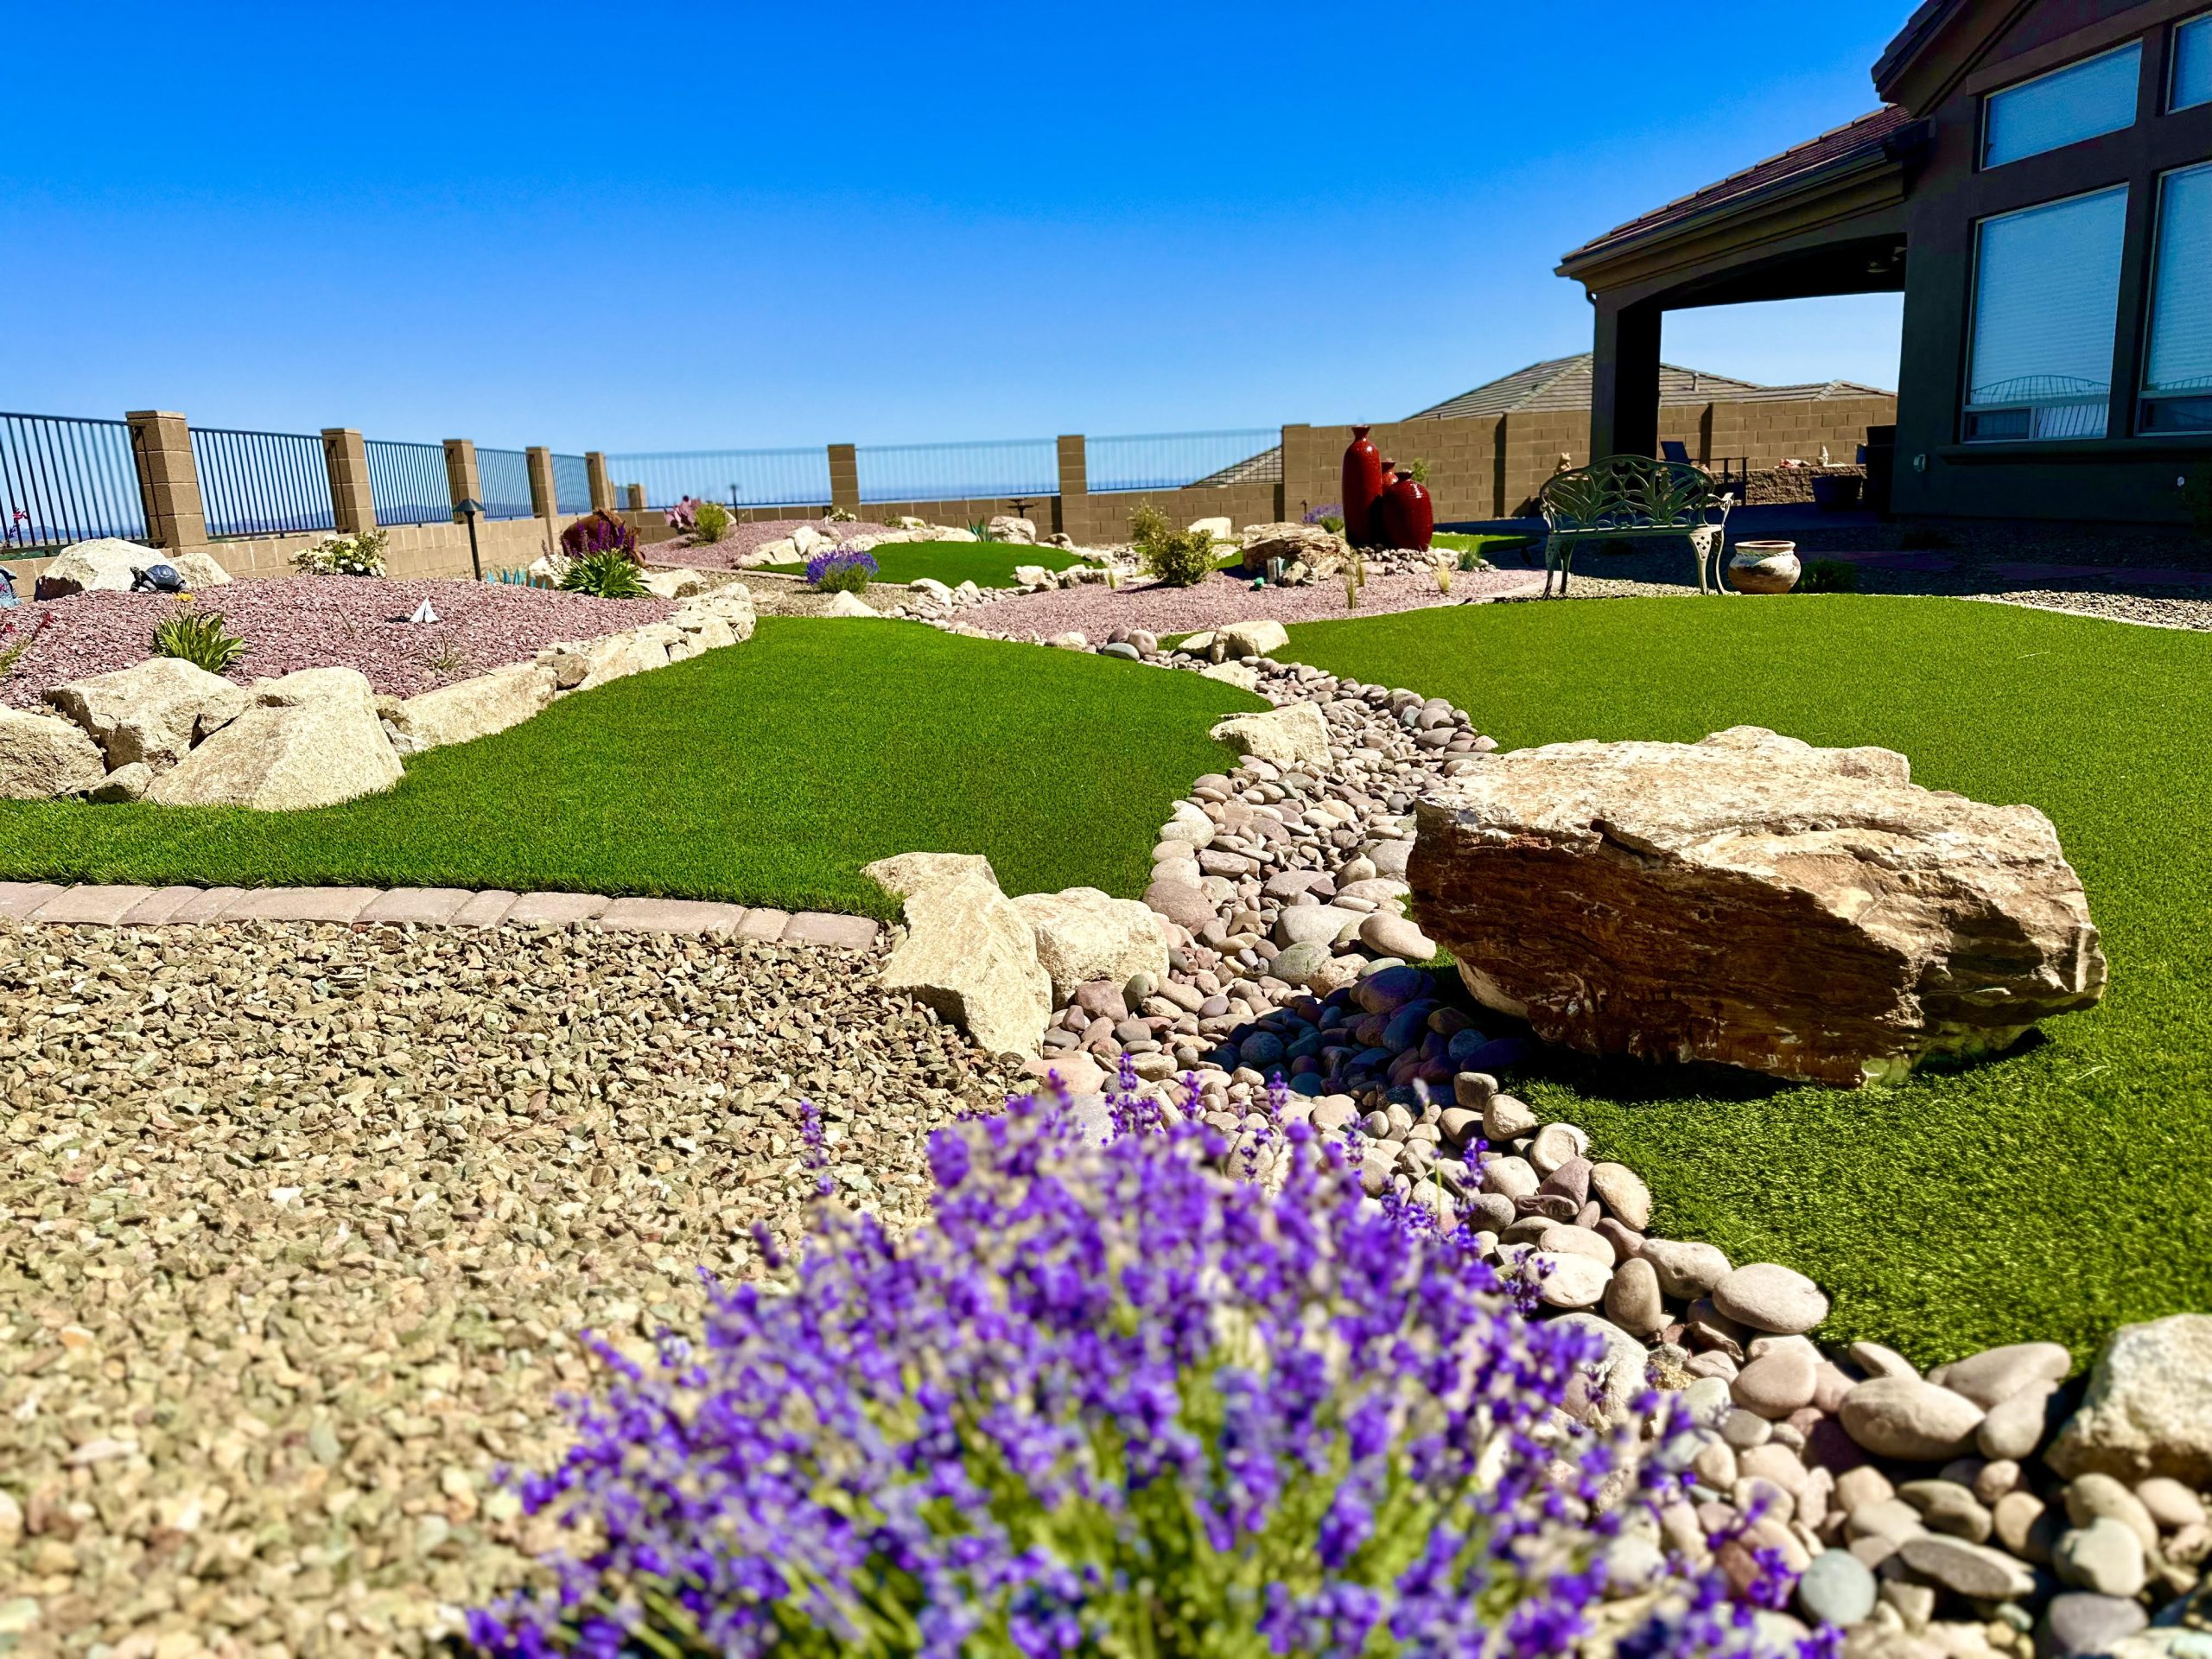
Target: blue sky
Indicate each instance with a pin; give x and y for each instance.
(656, 226)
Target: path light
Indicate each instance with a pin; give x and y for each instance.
(467, 511)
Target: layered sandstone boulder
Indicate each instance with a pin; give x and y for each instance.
(1752, 900)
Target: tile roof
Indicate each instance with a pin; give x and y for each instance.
(1852, 142)
(1565, 382)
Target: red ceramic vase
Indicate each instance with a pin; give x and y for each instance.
(1408, 516)
(1363, 489)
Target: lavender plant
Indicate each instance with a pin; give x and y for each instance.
(1112, 1402)
(599, 532)
(841, 571)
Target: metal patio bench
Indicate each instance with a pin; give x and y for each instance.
(1631, 497)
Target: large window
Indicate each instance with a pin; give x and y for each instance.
(2177, 372)
(2095, 96)
(2046, 299)
(2192, 64)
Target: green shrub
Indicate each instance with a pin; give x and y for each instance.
(710, 521)
(199, 637)
(1180, 558)
(1148, 524)
(1829, 576)
(608, 574)
(841, 516)
(1333, 522)
(345, 555)
(1418, 471)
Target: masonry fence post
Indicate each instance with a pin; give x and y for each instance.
(602, 493)
(168, 479)
(462, 480)
(1074, 503)
(544, 501)
(637, 494)
(1297, 486)
(844, 477)
(351, 502)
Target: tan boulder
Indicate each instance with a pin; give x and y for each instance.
(908, 873)
(972, 956)
(473, 707)
(43, 756)
(1262, 637)
(106, 565)
(1320, 551)
(673, 584)
(1084, 934)
(848, 605)
(582, 664)
(1752, 900)
(310, 739)
(2148, 1410)
(1293, 735)
(1005, 527)
(153, 711)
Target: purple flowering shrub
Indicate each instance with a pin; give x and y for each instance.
(841, 571)
(599, 532)
(1111, 1400)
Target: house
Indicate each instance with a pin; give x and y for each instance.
(2039, 185)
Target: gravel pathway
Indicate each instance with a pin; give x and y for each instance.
(1095, 610)
(319, 622)
(298, 1225)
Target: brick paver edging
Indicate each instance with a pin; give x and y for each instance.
(125, 906)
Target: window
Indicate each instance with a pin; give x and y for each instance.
(2094, 95)
(2192, 64)
(2046, 302)
(2178, 371)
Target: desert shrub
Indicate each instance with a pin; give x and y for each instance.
(599, 533)
(710, 522)
(197, 637)
(841, 516)
(1180, 558)
(841, 571)
(345, 555)
(1111, 1399)
(609, 572)
(982, 531)
(1418, 470)
(1829, 576)
(1146, 523)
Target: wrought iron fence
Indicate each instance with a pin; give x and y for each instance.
(952, 471)
(262, 483)
(407, 483)
(571, 484)
(503, 477)
(63, 479)
(739, 478)
(1175, 460)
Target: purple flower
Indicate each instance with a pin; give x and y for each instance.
(842, 569)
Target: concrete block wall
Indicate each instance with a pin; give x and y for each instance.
(1770, 433)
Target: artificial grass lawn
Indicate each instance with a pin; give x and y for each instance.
(767, 774)
(1488, 545)
(2053, 1192)
(988, 564)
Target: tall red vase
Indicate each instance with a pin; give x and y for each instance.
(1363, 489)
(1408, 516)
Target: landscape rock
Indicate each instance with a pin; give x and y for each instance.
(1686, 1270)
(1975, 1571)
(1005, 527)
(905, 874)
(105, 564)
(2079, 1624)
(972, 956)
(1998, 1374)
(126, 782)
(673, 584)
(1836, 1589)
(2148, 1410)
(473, 707)
(847, 605)
(1084, 934)
(1320, 551)
(43, 756)
(1904, 1417)
(1769, 1297)
(310, 739)
(153, 711)
(1750, 900)
(2104, 1557)
(1262, 637)
(1293, 735)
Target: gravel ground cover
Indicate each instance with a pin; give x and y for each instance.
(728, 553)
(324, 621)
(766, 775)
(1095, 610)
(2052, 1193)
(298, 1226)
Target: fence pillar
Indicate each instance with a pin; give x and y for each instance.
(461, 477)
(543, 500)
(602, 493)
(637, 495)
(844, 477)
(168, 479)
(1073, 508)
(351, 504)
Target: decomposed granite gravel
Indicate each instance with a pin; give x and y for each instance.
(299, 1223)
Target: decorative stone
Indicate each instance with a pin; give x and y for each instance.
(473, 707)
(2103, 1556)
(1084, 934)
(1293, 735)
(106, 565)
(1998, 1374)
(43, 756)
(1262, 638)
(2017, 1426)
(852, 605)
(1752, 900)
(971, 956)
(2079, 1624)
(1776, 1384)
(153, 711)
(1622, 1193)
(1686, 1270)
(126, 782)
(905, 874)
(1769, 1297)
(311, 738)
(1974, 1571)
(1903, 1417)
(1389, 935)
(1632, 1300)
(2148, 1410)
(1836, 1589)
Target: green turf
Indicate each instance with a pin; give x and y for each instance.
(2053, 1192)
(988, 564)
(1488, 545)
(767, 774)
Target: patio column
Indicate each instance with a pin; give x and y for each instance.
(353, 508)
(169, 479)
(1624, 380)
(844, 477)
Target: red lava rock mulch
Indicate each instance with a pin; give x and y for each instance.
(321, 622)
(679, 555)
(1095, 610)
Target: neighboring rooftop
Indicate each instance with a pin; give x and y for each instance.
(1564, 383)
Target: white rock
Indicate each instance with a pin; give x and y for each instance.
(1222, 530)
(847, 605)
(1235, 673)
(2148, 1410)
(153, 711)
(907, 873)
(674, 584)
(1084, 934)
(105, 565)
(1263, 636)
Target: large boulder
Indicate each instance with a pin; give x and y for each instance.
(1084, 934)
(309, 739)
(584, 664)
(907, 873)
(109, 564)
(1752, 900)
(972, 956)
(1293, 735)
(2149, 1407)
(1261, 637)
(153, 711)
(43, 756)
(1320, 551)
(471, 709)
(1005, 527)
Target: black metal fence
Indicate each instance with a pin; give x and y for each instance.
(63, 479)
(262, 483)
(571, 484)
(407, 483)
(503, 476)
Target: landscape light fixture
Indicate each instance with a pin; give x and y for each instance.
(466, 511)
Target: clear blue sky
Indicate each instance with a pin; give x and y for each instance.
(650, 226)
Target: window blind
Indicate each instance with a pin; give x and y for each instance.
(2046, 302)
(2192, 64)
(2180, 362)
(2095, 96)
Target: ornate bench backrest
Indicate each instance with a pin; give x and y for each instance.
(1633, 493)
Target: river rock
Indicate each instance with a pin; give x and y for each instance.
(2082, 1622)
(2149, 1407)
(1084, 934)
(2103, 1556)
(1904, 1417)
(1622, 1193)
(1998, 1374)
(1686, 1270)
(1836, 1589)
(1769, 1297)
(1752, 900)
(43, 756)
(1632, 1300)
(1974, 1571)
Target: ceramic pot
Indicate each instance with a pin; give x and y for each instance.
(1408, 516)
(1362, 487)
(1764, 567)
